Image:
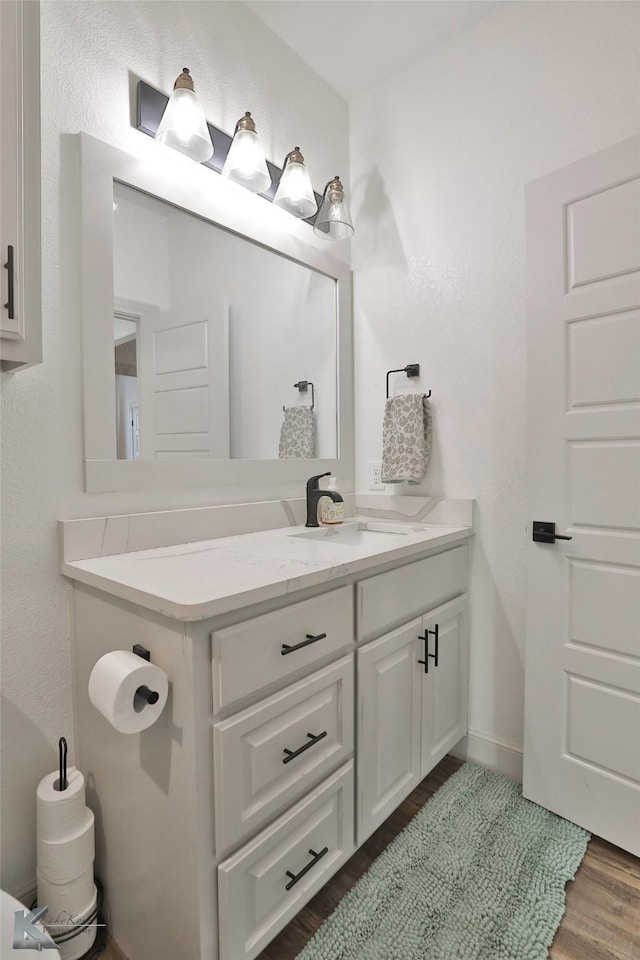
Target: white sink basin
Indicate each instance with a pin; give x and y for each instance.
(357, 533)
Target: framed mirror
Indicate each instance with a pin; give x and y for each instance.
(217, 345)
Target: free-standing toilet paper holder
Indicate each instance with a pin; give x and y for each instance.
(149, 696)
(62, 782)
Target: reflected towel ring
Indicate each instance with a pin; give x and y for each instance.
(303, 386)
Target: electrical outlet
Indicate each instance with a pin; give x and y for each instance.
(375, 475)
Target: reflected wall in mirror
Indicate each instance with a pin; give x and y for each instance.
(211, 332)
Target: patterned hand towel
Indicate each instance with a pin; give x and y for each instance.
(298, 434)
(406, 438)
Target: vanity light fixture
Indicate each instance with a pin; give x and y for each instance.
(334, 218)
(246, 163)
(295, 193)
(183, 125)
(241, 158)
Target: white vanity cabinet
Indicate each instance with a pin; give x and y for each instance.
(20, 324)
(293, 728)
(412, 683)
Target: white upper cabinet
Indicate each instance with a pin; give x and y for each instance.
(20, 297)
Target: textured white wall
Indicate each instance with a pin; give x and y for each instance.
(92, 55)
(440, 155)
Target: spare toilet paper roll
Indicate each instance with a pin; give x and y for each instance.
(76, 946)
(69, 897)
(60, 812)
(114, 686)
(62, 860)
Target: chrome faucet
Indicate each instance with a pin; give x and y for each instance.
(314, 493)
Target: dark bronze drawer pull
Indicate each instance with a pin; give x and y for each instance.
(427, 655)
(292, 754)
(305, 643)
(10, 305)
(298, 876)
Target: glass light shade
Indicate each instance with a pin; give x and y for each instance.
(183, 125)
(334, 219)
(295, 193)
(245, 163)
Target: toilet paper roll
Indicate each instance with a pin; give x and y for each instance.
(67, 898)
(60, 812)
(113, 686)
(74, 947)
(60, 861)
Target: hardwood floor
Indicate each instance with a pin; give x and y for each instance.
(601, 920)
(602, 916)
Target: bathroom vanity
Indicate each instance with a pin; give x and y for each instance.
(315, 678)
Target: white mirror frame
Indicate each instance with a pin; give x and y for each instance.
(100, 165)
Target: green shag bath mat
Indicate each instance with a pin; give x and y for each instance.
(478, 874)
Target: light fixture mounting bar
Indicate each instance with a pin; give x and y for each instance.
(151, 105)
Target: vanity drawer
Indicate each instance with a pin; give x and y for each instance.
(271, 754)
(392, 598)
(249, 656)
(254, 904)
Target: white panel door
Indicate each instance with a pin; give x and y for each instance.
(184, 383)
(582, 709)
(444, 681)
(389, 690)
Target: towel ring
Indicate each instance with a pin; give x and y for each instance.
(411, 370)
(303, 386)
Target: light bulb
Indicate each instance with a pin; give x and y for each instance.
(245, 163)
(295, 193)
(334, 219)
(183, 125)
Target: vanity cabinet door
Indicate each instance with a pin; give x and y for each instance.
(444, 686)
(389, 685)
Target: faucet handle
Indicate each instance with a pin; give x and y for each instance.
(312, 482)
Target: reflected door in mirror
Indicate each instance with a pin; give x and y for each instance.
(221, 329)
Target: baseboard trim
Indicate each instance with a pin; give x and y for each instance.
(27, 893)
(499, 756)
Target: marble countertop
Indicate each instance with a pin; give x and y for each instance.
(194, 581)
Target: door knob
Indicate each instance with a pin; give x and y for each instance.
(545, 532)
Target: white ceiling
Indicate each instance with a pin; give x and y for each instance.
(354, 44)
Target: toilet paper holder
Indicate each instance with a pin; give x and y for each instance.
(62, 782)
(149, 696)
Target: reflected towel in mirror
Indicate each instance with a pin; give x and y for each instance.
(298, 434)
(406, 438)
